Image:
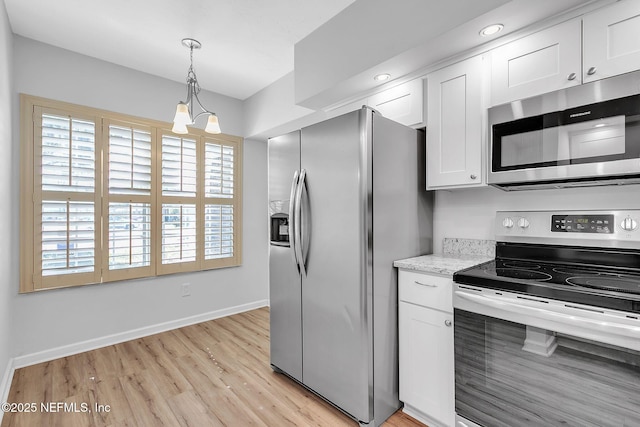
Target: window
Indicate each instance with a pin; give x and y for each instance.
(107, 197)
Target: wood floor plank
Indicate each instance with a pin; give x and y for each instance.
(215, 392)
(68, 375)
(191, 411)
(166, 375)
(109, 391)
(261, 401)
(128, 358)
(32, 384)
(214, 373)
(146, 402)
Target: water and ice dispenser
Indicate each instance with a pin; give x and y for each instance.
(280, 228)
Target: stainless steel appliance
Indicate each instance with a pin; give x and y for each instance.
(352, 190)
(580, 136)
(548, 333)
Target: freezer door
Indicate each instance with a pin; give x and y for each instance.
(337, 358)
(284, 279)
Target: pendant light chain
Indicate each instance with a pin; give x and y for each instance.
(184, 111)
(191, 74)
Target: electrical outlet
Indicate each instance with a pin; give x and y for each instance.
(186, 289)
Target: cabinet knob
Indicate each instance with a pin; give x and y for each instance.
(472, 176)
(572, 76)
(447, 322)
(591, 71)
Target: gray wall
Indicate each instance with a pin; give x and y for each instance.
(8, 239)
(470, 213)
(57, 318)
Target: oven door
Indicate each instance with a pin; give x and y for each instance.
(525, 361)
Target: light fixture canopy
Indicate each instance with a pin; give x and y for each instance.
(490, 30)
(184, 110)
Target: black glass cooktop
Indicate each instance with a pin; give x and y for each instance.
(608, 279)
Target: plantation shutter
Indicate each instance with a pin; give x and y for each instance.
(220, 199)
(178, 203)
(107, 197)
(128, 198)
(66, 211)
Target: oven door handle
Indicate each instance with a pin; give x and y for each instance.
(560, 315)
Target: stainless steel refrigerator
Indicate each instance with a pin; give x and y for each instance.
(346, 198)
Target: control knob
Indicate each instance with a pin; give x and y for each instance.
(523, 223)
(507, 223)
(629, 224)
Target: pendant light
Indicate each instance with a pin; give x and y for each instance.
(184, 113)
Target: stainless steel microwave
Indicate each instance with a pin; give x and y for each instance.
(580, 136)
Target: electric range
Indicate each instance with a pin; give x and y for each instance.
(591, 258)
(548, 333)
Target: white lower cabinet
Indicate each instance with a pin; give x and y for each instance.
(426, 348)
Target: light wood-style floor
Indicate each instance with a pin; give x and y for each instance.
(214, 373)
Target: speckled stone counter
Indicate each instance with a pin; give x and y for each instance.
(458, 255)
(469, 247)
(446, 264)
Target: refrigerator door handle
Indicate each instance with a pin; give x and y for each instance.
(298, 220)
(305, 221)
(292, 219)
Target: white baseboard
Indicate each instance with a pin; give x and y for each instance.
(5, 383)
(94, 343)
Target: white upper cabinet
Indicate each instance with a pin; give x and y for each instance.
(541, 62)
(454, 125)
(611, 40)
(600, 44)
(402, 103)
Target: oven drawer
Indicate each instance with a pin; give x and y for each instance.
(427, 290)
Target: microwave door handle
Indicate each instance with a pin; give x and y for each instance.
(292, 216)
(569, 318)
(301, 237)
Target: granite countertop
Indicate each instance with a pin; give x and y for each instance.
(458, 254)
(441, 263)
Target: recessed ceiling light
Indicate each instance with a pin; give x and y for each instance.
(490, 30)
(382, 77)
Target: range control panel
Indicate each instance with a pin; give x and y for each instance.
(584, 223)
(616, 228)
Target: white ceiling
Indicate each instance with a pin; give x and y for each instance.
(246, 44)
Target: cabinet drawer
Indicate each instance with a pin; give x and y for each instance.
(426, 290)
